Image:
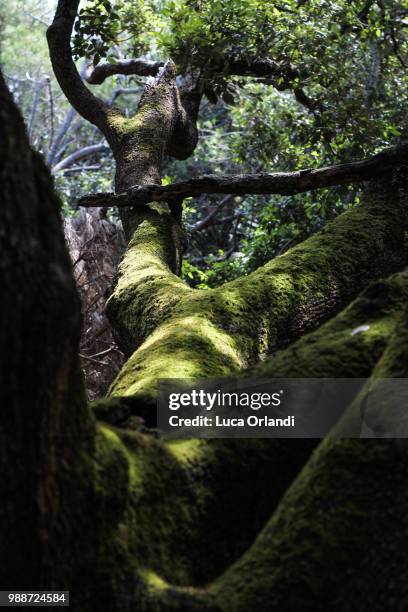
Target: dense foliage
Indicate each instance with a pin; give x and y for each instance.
(335, 95)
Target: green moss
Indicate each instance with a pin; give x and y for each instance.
(191, 488)
(314, 553)
(216, 332)
(162, 508)
(147, 291)
(334, 349)
(147, 122)
(188, 451)
(173, 353)
(153, 581)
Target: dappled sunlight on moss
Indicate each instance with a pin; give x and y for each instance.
(333, 348)
(262, 312)
(187, 451)
(173, 351)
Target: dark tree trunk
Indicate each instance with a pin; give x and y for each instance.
(46, 431)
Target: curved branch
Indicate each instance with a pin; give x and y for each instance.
(80, 154)
(281, 183)
(59, 35)
(264, 68)
(138, 67)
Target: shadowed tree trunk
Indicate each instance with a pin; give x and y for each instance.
(46, 428)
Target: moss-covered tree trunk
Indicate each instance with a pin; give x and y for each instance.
(179, 332)
(129, 522)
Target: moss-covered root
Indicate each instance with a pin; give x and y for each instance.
(350, 344)
(214, 333)
(339, 534)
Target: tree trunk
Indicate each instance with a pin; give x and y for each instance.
(339, 535)
(125, 520)
(46, 430)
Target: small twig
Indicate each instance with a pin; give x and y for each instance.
(93, 360)
(105, 352)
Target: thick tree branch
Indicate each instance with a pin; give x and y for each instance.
(264, 68)
(281, 183)
(138, 66)
(254, 67)
(362, 244)
(59, 35)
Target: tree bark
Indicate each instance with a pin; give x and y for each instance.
(281, 183)
(165, 121)
(197, 480)
(46, 431)
(141, 142)
(351, 492)
(124, 519)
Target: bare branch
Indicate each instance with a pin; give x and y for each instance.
(255, 67)
(80, 154)
(138, 66)
(59, 137)
(59, 35)
(35, 18)
(74, 169)
(281, 76)
(281, 183)
(122, 91)
(37, 92)
(52, 154)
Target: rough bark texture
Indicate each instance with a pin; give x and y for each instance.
(308, 544)
(139, 66)
(46, 430)
(141, 142)
(164, 121)
(189, 483)
(283, 183)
